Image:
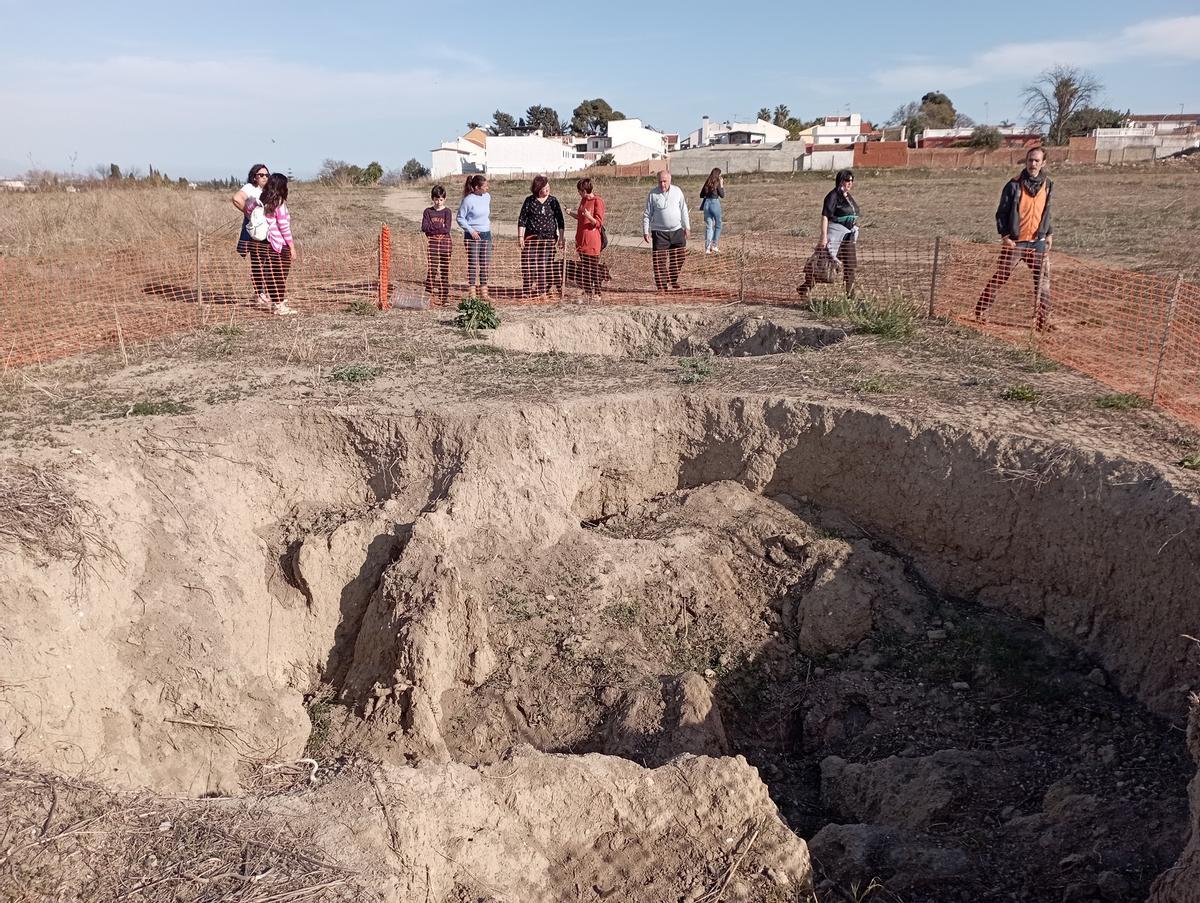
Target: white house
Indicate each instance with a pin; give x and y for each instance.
(629, 142)
(729, 132)
(837, 130)
(1166, 124)
(466, 154)
(508, 154)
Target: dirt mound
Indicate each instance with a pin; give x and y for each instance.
(534, 827)
(646, 333)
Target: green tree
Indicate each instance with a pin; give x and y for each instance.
(606, 160)
(502, 124)
(372, 173)
(986, 137)
(544, 118)
(764, 113)
(593, 116)
(782, 114)
(1055, 96)
(114, 171)
(413, 169)
(937, 111)
(473, 125)
(1087, 119)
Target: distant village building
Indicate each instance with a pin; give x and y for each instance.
(848, 129)
(466, 154)
(1010, 136)
(733, 133)
(628, 141)
(1148, 137)
(13, 185)
(534, 153)
(1167, 124)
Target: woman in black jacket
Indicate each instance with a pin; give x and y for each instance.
(839, 233)
(540, 228)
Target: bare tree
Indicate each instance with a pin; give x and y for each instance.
(1055, 96)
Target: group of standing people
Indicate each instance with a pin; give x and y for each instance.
(266, 236)
(1023, 222)
(541, 231)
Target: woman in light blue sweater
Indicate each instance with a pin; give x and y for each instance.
(475, 217)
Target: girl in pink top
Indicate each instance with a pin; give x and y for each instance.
(279, 237)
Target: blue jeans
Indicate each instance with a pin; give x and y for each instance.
(712, 221)
(479, 258)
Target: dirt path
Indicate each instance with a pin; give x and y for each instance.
(410, 203)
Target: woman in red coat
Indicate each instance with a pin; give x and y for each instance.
(588, 242)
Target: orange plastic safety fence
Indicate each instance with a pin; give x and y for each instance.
(1135, 332)
(59, 306)
(385, 261)
(762, 267)
(1138, 333)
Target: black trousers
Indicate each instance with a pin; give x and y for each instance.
(589, 266)
(260, 253)
(670, 251)
(537, 259)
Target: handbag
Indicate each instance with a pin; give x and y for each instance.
(822, 266)
(256, 225)
(603, 238)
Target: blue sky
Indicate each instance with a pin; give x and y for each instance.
(207, 89)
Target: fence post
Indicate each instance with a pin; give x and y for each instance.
(742, 270)
(937, 254)
(199, 291)
(383, 260)
(1162, 344)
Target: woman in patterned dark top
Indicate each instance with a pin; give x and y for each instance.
(539, 231)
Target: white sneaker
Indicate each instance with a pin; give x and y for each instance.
(261, 300)
(282, 310)
(716, 250)
(708, 250)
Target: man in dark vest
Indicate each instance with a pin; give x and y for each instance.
(1023, 221)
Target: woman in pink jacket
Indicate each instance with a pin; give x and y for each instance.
(282, 253)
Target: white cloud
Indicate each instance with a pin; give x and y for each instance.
(1162, 40)
(201, 113)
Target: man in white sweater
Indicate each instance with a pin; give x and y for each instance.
(666, 225)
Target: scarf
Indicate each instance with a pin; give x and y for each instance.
(1030, 184)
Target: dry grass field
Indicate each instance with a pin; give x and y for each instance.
(52, 223)
(1140, 218)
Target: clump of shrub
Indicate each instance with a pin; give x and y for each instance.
(475, 313)
(361, 307)
(157, 408)
(695, 369)
(354, 373)
(1122, 401)
(889, 318)
(1021, 392)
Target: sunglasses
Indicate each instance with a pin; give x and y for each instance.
(262, 175)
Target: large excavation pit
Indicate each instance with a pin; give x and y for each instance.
(691, 648)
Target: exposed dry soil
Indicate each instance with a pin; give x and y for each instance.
(656, 604)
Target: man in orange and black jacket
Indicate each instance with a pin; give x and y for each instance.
(1023, 221)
